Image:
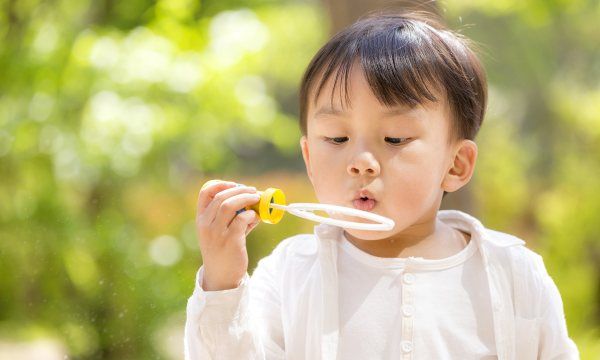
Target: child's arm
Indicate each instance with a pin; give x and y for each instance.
(241, 323)
(231, 316)
(554, 339)
(537, 297)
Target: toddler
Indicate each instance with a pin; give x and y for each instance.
(389, 109)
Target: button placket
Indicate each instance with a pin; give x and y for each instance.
(407, 309)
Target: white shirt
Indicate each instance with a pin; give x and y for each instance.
(290, 308)
(435, 309)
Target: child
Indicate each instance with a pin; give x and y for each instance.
(389, 110)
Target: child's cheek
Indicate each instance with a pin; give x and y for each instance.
(321, 186)
(327, 178)
(411, 190)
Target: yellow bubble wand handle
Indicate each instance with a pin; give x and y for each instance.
(263, 207)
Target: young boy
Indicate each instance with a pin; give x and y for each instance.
(389, 110)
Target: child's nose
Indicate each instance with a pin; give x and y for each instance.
(364, 164)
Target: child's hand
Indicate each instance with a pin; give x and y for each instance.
(222, 233)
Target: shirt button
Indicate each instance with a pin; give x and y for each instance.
(408, 278)
(408, 310)
(406, 346)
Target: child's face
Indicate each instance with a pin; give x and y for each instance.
(407, 180)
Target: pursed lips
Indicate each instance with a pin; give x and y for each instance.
(364, 200)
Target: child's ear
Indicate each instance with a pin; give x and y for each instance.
(462, 167)
(305, 155)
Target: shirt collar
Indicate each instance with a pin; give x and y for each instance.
(454, 218)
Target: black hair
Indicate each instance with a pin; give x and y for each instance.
(407, 59)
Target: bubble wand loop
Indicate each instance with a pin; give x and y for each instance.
(304, 210)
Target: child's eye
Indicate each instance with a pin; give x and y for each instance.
(337, 140)
(396, 141)
(393, 141)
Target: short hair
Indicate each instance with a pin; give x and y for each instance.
(407, 58)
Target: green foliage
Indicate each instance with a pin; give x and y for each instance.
(110, 115)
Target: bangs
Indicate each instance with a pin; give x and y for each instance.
(407, 60)
(398, 66)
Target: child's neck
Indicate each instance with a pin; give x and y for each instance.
(429, 240)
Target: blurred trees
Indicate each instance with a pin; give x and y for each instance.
(343, 13)
(112, 114)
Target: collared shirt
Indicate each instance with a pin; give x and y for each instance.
(290, 307)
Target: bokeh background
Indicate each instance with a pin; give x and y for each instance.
(114, 113)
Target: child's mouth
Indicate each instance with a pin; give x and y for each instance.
(364, 204)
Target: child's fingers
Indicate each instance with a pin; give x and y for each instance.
(214, 208)
(241, 224)
(208, 192)
(229, 208)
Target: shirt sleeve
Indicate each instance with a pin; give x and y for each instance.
(554, 338)
(240, 323)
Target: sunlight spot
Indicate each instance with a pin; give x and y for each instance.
(46, 39)
(104, 53)
(234, 33)
(40, 106)
(185, 73)
(165, 250)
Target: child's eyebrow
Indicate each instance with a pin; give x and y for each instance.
(398, 110)
(393, 111)
(328, 110)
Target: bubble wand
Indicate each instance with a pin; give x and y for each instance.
(271, 207)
